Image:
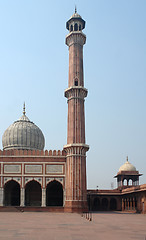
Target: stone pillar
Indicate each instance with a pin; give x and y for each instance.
(139, 207)
(1, 196)
(22, 197)
(134, 203)
(122, 204)
(130, 204)
(43, 197)
(125, 202)
(127, 182)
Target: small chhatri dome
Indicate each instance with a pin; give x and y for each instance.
(127, 166)
(23, 134)
(75, 23)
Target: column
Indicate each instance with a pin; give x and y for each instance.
(22, 197)
(1, 196)
(130, 204)
(122, 204)
(127, 182)
(43, 197)
(125, 203)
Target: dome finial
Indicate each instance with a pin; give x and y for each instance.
(24, 109)
(75, 9)
(127, 159)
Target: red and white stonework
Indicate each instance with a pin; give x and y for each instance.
(76, 196)
(32, 178)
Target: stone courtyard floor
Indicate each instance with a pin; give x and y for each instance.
(71, 226)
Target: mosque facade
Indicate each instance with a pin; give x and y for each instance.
(31, 177)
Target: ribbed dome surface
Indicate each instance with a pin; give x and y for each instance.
(23, 134)
(127, 166)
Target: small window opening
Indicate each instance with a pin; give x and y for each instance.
(71, 28)
(76, 27)
(76, 83)
(79, 27)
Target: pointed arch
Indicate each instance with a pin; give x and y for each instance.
(76, 27)
(96, 204)
(12, 193)
(104, 204)
(130, 182)
(124, 182)
(113, 204)
(33, 193)
(54, 194)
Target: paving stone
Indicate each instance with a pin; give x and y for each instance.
(69, 226)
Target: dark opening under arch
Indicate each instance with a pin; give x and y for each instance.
(104, 204)
(54, 194)
(96, 204)
(12, 193)
(33, 194)
(113, 204)
(76, 27)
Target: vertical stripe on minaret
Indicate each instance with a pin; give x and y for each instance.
(76, 195)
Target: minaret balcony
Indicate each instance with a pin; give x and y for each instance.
(75, 37)
(76, 92)
(75, 149)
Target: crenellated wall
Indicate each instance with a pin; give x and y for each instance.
(16, 152)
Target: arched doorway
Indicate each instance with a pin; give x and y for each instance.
(12, 193)
(130, 183)
(104, 204)
(54, 194)
(33, 194)
(96, 204)
(113, 204)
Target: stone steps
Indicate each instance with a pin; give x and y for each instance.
(31, 209)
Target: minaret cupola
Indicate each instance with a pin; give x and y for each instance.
(75, 23)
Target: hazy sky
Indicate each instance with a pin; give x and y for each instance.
(34, 69)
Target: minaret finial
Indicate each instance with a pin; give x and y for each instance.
(24, 109)
(75, 8)
(127, 158)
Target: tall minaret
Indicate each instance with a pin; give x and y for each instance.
(76, 196)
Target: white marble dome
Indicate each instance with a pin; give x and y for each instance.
(127, 166)
(23, 134)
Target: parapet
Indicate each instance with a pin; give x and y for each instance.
(15, 152)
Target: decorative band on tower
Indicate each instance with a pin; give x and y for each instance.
(76, 148)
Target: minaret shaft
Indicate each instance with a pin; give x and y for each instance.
(76, 120)
(76, 91)
(75, 65)
(76, 195)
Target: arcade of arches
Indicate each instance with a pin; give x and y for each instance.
(130, 199)
(33, 194)
(103, 203)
